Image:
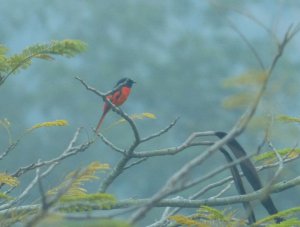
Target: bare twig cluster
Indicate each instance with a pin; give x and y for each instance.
(42, 169)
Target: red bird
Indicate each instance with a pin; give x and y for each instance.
(118, 97)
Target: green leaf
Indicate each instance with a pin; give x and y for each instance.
(282, 214)
(246, 79)
(270, 156)
(66, 48)
(76, 190)
(288, 119)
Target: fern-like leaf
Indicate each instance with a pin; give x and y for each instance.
(76, 190)
(238, 100)
(213, 214)
(3, 60)
(282, 214)
(67, 48)
(288, 119)
(9, 180)
(4, 196)
(49, 124)
(140, 116)
(246, 79)
(187, 221)
(270, 156)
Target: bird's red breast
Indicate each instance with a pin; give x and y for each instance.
(118, 97)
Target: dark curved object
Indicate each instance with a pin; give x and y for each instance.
(239, 186)
(250, 173)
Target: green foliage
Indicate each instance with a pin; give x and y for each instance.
(246, 79)
(3, 65)
(134, 117)
(4, 196)
(9, 180)
(187, 221)
(12, 217)
(248, 82)
(288, 119)
(239, 100)
(49, 124)
(89, 222)
(81, 203)
(76, 191)
(208, 216)
(11, 65)
(270, 156)
(287, 223)
(287, 214)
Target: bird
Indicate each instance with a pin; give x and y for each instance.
(118, 97)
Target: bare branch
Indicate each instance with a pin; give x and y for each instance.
(10, 148)
(157, 134)
(174, 150)
(135, 163)
(111, 145)
(71, 150)
(46, 205)
(251, 47)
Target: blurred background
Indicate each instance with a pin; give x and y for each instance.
(182, 55)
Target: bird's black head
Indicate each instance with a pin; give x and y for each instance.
(126, 82)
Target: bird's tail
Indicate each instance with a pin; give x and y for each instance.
(100, 121)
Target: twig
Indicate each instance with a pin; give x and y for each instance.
(46, 205)
(174, 150)
(225, 189)
(10, 148)
(111, 145)
(251, 47)
(135, 163)
(29, 187)
(157, 134)
(69, 151)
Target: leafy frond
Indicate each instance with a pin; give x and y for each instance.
(3, 60)
(4, 196)
(87, 202)
(95, 197)
(212, 213)
(3, 50)
(270, 156)
(221, 216)
(238, 100)
(208, 216)
(139, 116)
(49, 124)
(248, 83)
(9, 180)
(187, 221)
(288, 119)
(287, 223)
(67, 48)
(56, 220)
(246, 79)
(282, 214)
(76, 190)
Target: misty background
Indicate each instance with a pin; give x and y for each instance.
(179, 52)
